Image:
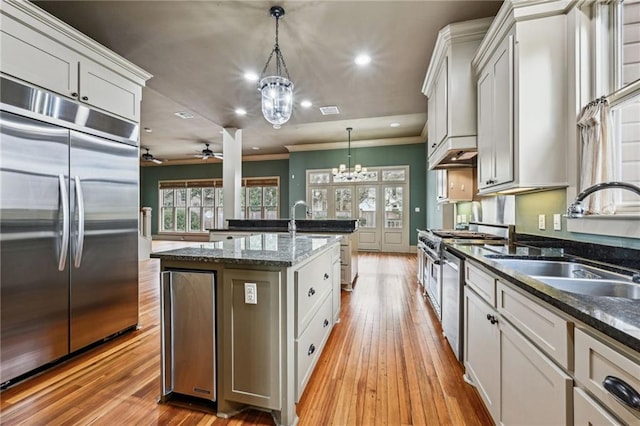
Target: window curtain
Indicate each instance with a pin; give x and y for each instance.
(598, 152)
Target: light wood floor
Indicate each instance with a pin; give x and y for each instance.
(386, 362)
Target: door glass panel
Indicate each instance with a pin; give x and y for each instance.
(318, 177)
(367, 208)
(396, 175)
(393, 207)
(343, 203)
(319, 204)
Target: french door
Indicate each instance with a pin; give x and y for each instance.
(380, 203)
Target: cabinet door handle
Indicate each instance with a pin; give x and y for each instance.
(623, 392)
(492, 319)
(433, 145)
(311, 292)
(74, 94)
(325, 323)
(311, 350)
(326, 276)
(85, 98)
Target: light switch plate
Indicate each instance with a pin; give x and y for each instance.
(541, 222)
(557, 222)
(250, 293)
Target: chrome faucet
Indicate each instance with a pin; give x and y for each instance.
(292, 223)
(576, 209)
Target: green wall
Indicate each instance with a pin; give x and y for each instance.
(529, 206)
(413, 155)
(149, 177)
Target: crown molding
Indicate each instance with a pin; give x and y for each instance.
(212, 160)
(357, 144)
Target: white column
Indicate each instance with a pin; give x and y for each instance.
(232, 171)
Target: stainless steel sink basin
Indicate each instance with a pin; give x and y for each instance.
(552, 268)
(575, 277)
(611, 288)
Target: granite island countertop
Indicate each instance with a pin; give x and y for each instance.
(619, 318)
(328, 226)
(269, 249)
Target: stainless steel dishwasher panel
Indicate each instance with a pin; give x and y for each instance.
(189, 334)
(452, 288)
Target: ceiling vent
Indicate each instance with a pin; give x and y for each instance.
(329, 110)
(184, 114)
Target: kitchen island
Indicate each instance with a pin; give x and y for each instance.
(276, 304)
(347, 228)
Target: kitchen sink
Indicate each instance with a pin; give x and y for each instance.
(563, 269)
(575, 277)
(594, 287)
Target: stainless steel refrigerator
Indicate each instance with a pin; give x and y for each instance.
(69, 187)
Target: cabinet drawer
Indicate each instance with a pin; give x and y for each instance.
(312, 282)
(310, 344)
(547, 330)
(587, 412)
(595, 361)
(481, 282)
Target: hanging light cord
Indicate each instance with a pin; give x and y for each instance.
(279, 57)
(349, 129)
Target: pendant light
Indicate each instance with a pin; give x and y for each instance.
(343, 172)
(276, 90)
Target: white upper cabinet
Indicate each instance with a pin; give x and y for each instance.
(451, 91)
(41, 50)
(522, 83)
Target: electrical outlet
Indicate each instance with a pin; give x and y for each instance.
(557, 222)
(250, 293)
(541, 222)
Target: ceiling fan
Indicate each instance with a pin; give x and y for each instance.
(149, 157)
(206, 153)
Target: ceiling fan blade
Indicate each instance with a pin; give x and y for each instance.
(218, 155)
(204, 157)
(155, 160)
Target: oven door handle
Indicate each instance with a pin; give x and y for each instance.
(452, 265)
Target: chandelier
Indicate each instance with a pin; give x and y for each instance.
(276, 90)
(343, 172)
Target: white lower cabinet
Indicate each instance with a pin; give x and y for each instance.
(534, 390)
(587, 412)
(518, 382)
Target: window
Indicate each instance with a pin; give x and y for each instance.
(197, 205)
(617, 66)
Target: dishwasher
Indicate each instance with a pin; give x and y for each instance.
(452, 300)
(188, 334)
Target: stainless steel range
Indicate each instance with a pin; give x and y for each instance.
(441, 272)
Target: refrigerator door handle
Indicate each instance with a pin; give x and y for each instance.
(64, 245)
(80, 243)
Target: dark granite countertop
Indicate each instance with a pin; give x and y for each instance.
(616, 317)
(330, 226)
(269, 249)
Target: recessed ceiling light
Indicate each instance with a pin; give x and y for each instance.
(306, 104)
(184, 114)
(241, 111)
(394, 125)
(362, 59)
(251, 76)
(256, 148)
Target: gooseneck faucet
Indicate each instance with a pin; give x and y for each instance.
(576, 209)
(292, 224)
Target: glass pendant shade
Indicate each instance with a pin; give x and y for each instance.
(277, 99)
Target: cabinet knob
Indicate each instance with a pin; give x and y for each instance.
(311, 350)
(622, 392)
(311, 292)
(492, 319)
(74, 94)
(326, 276)
(433, 145)
(325, 323)
(85, 98)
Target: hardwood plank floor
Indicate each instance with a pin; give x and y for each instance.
(385, 363)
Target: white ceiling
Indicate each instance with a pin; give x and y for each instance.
(198, 51)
